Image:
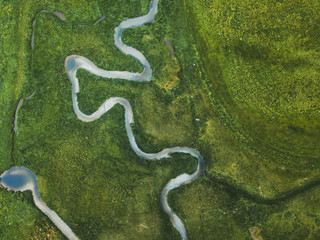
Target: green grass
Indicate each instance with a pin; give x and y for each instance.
(7, 83)
(88, 173)
(261, 75)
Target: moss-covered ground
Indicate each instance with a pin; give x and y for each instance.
(262, 77)
(243, 91)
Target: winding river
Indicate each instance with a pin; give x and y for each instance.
(21, 179)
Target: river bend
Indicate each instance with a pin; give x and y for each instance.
(21, 179)
(74, 62)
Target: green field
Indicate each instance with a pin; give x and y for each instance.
(243, 91)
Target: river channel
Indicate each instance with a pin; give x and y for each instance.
(21, 179)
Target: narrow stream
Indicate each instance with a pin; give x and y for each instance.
(74, 62)
(22, 179)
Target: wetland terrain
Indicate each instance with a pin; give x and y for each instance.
(237, 81)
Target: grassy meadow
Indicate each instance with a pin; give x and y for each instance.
(234, 92)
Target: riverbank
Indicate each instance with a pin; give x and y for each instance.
(122, 198)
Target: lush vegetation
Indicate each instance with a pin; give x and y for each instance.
(262, 76)
(88, 173)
